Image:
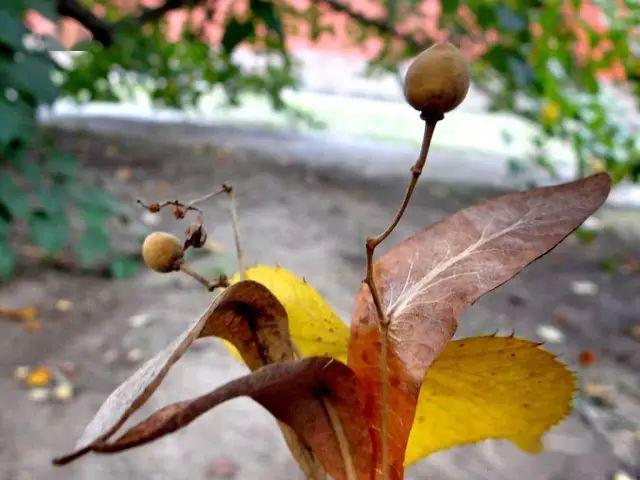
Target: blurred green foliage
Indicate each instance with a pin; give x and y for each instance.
(545, 61)
(40, 195)
(551, 62)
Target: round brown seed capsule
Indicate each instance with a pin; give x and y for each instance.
(162, 251)
(437, 80)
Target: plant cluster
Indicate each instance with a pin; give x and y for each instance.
(41, 196)
(362, 404)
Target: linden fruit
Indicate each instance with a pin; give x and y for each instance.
(162, 251)
(437, 79)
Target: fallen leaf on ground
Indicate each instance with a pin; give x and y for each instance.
(587, 358)
(39, 377)
(584, 288)
(64, 305)
(26, 313)
(549, 333)
(21, 373)
(63, 392)
(39, 395)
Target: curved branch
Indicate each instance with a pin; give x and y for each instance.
(101, 30)
(382, 25)
(152, 14)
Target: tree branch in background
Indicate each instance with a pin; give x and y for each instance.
(380, 24)
(102, 31)
(152, 14)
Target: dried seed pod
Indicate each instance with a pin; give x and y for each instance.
(196, 236)
(437, 80)
(179, 212)
(162, 251)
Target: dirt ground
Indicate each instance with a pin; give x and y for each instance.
(312, 220)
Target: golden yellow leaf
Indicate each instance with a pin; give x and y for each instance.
(490, 387)
(39, 377)
(314, 327)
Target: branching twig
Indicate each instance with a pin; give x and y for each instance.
(370, 245)
(101, 30)
(152, 14)
(222, 280)
(236, 230)
(382, 25)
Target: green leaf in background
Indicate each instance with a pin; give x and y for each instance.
(46, 8)
(52, 199)
(49, 231)
(7, 260)
(30, 169)
(31, 76)
(16, 121)
(13, 198)
(235, 32)
(97, 205)
(123, 268)
(94, 245)
(450, 6)
(11, 30)
(62, 165)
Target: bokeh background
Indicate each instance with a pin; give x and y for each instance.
(299, 104)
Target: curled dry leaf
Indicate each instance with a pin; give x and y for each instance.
(426, 282)
(308, 395)
(246, 314)
(315, 329)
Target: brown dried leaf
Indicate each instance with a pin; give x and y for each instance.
(246, 314)
(427, 281)
(295, 392)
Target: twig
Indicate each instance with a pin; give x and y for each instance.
(155, 207)
(152, 14)
(343, 443)
(236, 231)
(210, 285)
(206, 197)
(370, 245)
(382, 25)
(101, 30)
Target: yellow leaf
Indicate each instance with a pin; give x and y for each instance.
(314, 327)
(39, 377)
(490, 387)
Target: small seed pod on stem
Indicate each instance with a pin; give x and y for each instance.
(437, 81)
(162, 252)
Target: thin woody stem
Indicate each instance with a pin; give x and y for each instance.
(206, 197)
(370, 245)
(222, 280)
(236, 231)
